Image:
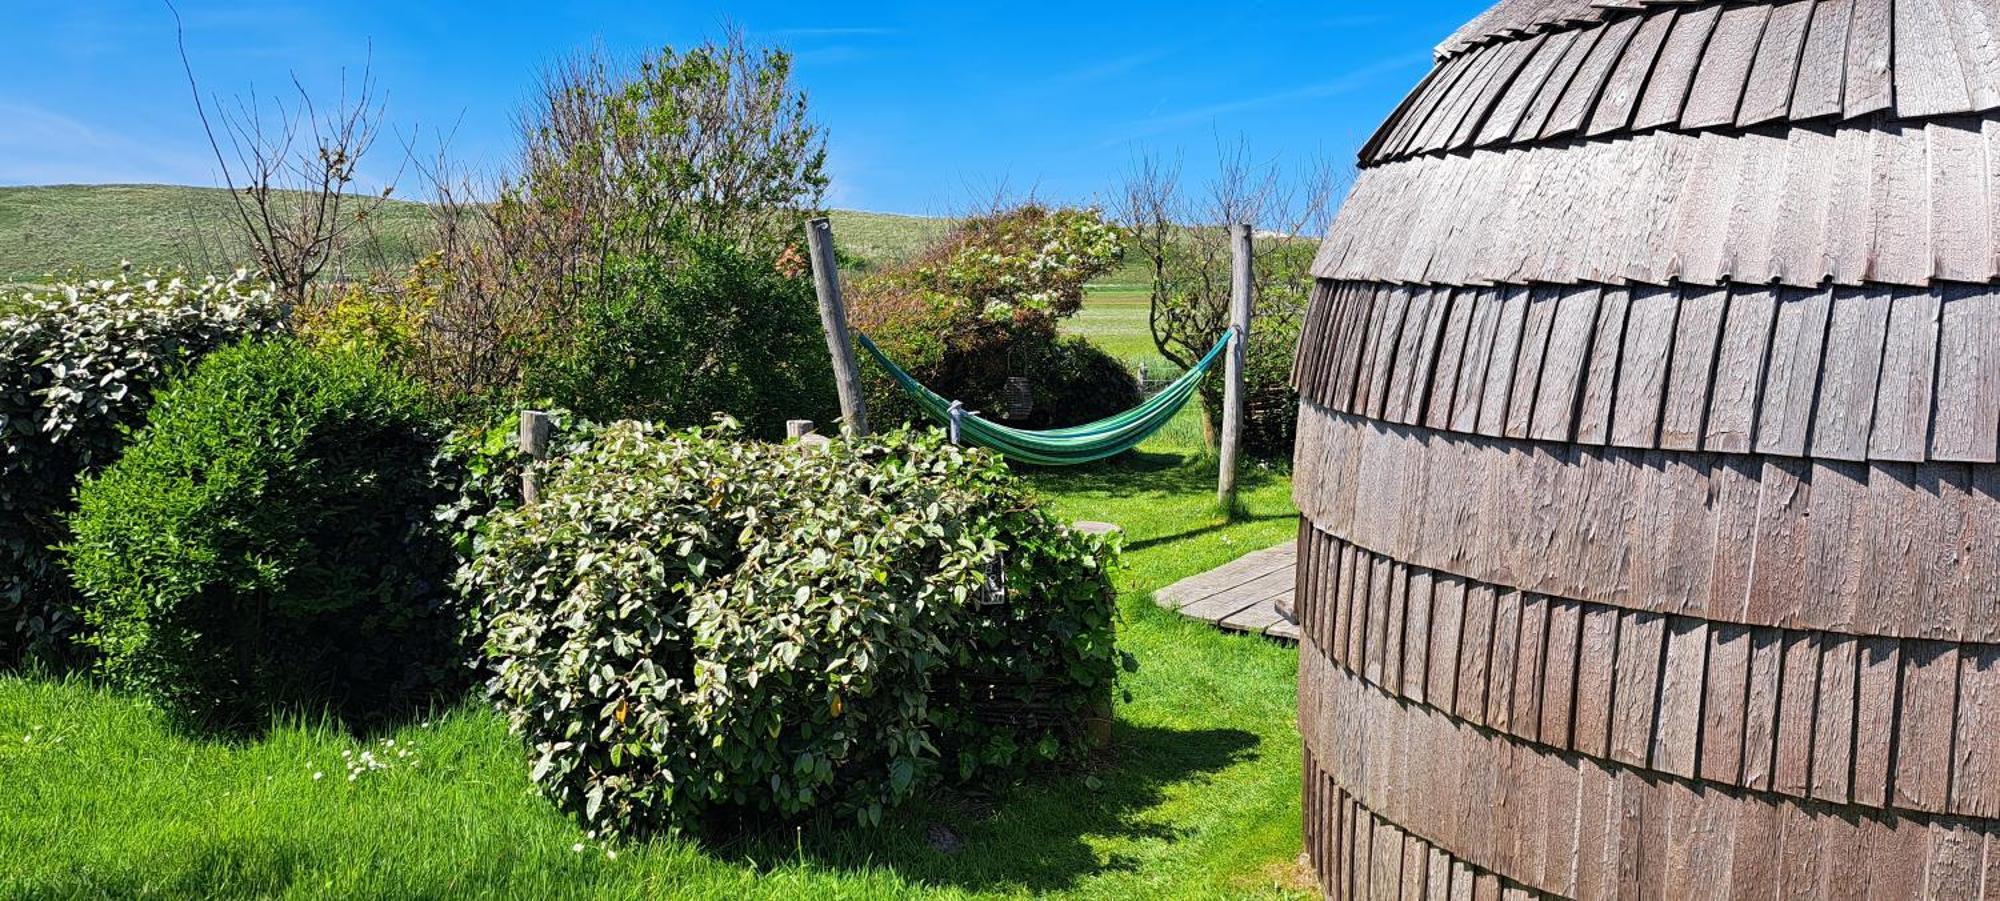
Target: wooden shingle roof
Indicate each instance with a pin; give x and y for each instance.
(1597, 70)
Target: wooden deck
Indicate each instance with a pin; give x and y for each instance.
(1242, 595)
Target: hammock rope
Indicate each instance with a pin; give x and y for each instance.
(1056, 447)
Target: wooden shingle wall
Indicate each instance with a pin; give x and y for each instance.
(1649, 462)
(1804, 205)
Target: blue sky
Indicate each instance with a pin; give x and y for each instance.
(928, 107)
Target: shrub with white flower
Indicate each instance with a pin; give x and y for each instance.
(79, 362)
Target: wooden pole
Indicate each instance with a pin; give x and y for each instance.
(1233, 389)
(535, 430)
(833, 317)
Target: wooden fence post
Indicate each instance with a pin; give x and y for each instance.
(1233, 390)
(798, 428)
(535, 430)
(833, 317)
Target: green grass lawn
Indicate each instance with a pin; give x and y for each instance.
(1196, 797)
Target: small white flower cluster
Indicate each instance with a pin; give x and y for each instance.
(368, 761)
(610, 853)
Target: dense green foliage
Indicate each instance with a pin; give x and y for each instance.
(690, 625)
(79, 363)
(1197, 796)
(676, 340)
(651, 236)
(267, 543)
(985, 304)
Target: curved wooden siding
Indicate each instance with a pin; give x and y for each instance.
(1649, 461)
(1849, 374)
(1800, 205)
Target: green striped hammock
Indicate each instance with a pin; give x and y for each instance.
(1056, 447)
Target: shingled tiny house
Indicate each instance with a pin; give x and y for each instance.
(1650, 538)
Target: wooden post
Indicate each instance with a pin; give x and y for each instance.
(1233, 389)
(535, 429)
(833, 317)
(798, 428)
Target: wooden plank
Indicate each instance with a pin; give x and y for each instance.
(1472, 369)
(1929, 78)
(1417, 635)
(1696, 340)
(1975, 777)
(1388, 331)
(1678, 730)
(1424, 373)
(1901, 429)
(1500, 371)
(1451, 108)
(1450, 353)
(1768, 93)
(1968, 393)
(1521, 92)
(1504, 663)
(1880, 664)
(1725, 66)
(1724, 706)
(1511, 57)
(1374, 650)
(1959, 227)
(1805, 204)
(1593, 420)
(1760, 718)
(1921, 778)
(1393, 633)
(1739, 371)
(1559, 666)
(1858, 326)
(1536, 326)
(1530, 666)
(1868, 86)
(1536, 116)
(1560, 387)
(1475, 652)
(1580, 97)
(1833, 730)
(1797, 708)
(1620, 95)
(1447, 621)
(1396, 407)
(1791, 381)
(1642, 376)
(1674, 69)
(1822, 62)
(1597, 658)
(1641, 643)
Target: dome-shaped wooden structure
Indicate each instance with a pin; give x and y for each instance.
(1650, 537)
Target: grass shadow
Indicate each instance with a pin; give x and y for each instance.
(1035, 835)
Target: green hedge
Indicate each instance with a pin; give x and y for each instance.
(691, 626)
(79, 362)
(267, 542)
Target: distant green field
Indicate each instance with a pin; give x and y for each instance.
(93, 228)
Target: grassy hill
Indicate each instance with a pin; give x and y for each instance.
(93, 228)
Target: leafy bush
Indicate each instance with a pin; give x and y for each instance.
(676, 340)
(689, 626)
(78, 367)
(267, 542)
(987, 303)
(619, 163)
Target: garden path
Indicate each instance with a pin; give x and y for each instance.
(1244, 595)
